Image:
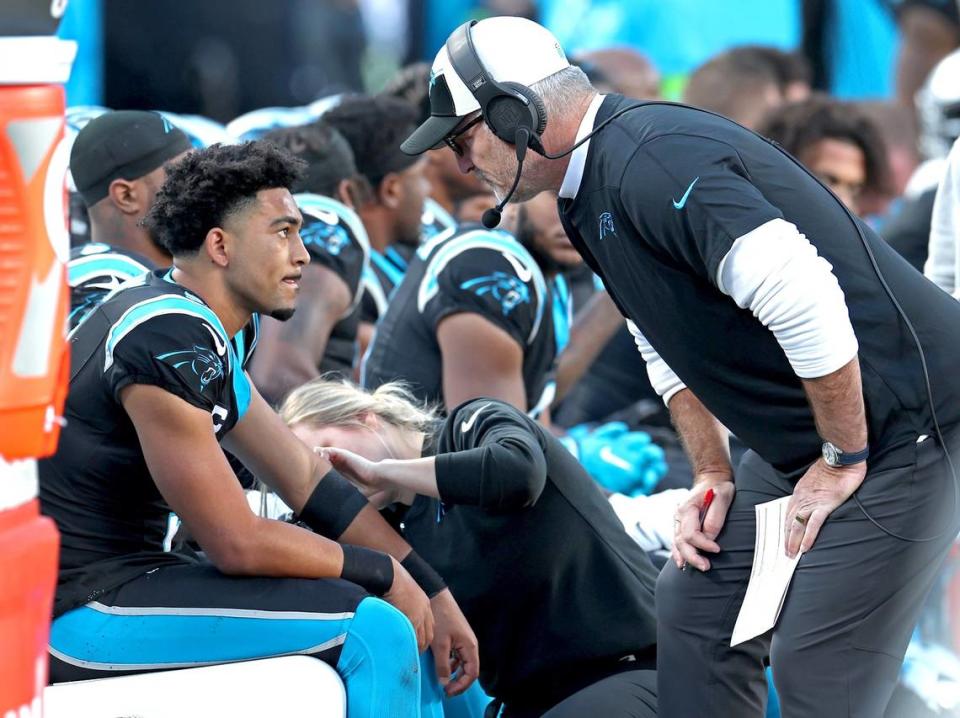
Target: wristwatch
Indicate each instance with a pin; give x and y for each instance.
(833, 456)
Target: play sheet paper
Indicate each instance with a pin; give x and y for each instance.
(770, 576)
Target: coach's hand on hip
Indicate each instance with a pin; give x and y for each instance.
(690, 538)
(818, 492)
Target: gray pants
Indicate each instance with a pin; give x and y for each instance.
(848, 617)
(628, 694)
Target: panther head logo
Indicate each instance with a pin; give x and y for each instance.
(503, 287)
(332, 236)
(606, 224)
(203, 362)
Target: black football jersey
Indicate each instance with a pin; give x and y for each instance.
(97, 487)
(381, 279)
(95, 270)
(473, 270)
(335, 238)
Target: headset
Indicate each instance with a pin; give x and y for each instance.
(506, 107)
(517, 115)
(513, 112)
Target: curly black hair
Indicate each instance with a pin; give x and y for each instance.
(207, 185)
(327, 154)
(799, 125)
(375, 126)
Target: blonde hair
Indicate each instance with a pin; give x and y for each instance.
(331, 402)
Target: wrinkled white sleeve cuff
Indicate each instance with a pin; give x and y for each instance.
(662, 378)
(777, 274)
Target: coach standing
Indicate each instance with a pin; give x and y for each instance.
(754, 301)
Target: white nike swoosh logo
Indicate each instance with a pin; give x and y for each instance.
(523, 273)
(324, 215)
(221, 347)
(112, 283)
(606, 454)
(465, 426)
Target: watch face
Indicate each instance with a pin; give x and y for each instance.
(830, 454)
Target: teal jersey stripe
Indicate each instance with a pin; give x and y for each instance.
(498, 240)
(394, 274)
(158, 306)
(239, 347)
(86, 268)
(433, 213)
(562, 312)
(241, 391)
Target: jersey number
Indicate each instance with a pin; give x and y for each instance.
(218, 413)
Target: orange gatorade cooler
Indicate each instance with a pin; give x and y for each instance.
(34, 362)
(34, 245)
(29, 546)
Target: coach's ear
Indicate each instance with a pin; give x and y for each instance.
(215, 244)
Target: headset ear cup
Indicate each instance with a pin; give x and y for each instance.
(504, 114)
(536, 108)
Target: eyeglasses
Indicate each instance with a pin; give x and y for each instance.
(451, 139)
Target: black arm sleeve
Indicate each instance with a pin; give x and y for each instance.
(492, 457)
(332, 506)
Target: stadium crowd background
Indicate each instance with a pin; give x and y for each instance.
(865, 92)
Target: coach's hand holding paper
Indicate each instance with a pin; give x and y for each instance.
(786, 529)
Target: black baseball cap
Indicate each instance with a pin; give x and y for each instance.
(442, 121)
(126, 144)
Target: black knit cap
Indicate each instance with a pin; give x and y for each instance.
(126, 144)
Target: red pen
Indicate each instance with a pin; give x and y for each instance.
(707, 500)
